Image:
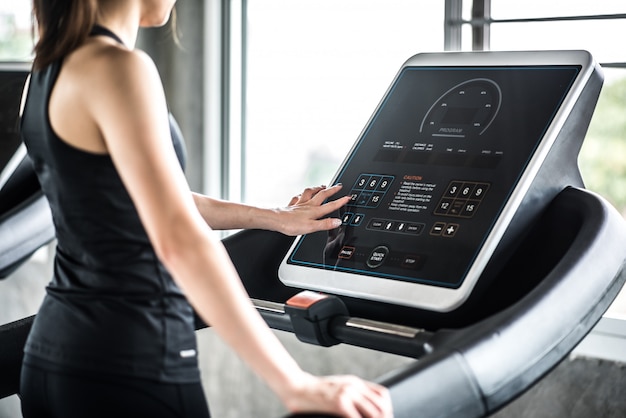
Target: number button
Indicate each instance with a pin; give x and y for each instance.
(454, 188)
(470, 208)
(362, 182)
(444, 207)
(375, 199)
(373, 183)
(480, 190)
(384, 183)
(467, 190)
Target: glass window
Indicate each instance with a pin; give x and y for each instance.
(603, 155)
(505, 9)
(15, 30)
(596, 36)
(315, 73)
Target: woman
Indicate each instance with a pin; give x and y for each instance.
(114, 335)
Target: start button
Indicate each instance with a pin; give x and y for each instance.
(377, 256)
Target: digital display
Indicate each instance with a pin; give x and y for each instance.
(459, 115)
(433, 170)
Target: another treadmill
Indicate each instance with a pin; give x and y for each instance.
(470, 243)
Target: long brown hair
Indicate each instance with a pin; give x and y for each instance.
(62, 25)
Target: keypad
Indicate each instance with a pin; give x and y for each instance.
(461, 199)
(369, 189)
(367, 193)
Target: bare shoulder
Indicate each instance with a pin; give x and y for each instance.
(113, 82)
(107, 69)
(106, 92)
(120, 63)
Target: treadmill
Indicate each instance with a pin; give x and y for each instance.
(470, 243)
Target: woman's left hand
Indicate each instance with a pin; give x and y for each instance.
(306, 212)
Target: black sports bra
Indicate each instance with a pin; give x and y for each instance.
(98, 30)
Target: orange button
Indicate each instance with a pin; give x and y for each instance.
(305, 299)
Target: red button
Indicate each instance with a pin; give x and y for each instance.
(305, 299)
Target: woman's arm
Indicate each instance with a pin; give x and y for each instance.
(301, 216)
(127, 103)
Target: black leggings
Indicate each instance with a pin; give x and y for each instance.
(46, 394)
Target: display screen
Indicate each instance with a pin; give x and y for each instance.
(433, 170)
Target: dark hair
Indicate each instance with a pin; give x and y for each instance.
(62, 25)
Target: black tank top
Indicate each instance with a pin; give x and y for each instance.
(111, 306)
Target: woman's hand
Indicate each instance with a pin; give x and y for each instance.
(306, 211)
(344, 396)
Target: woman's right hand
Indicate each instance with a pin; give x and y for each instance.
(344, 396)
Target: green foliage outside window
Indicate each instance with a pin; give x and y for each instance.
(603, 156)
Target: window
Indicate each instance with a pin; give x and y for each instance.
(316, 70)
(15, 30)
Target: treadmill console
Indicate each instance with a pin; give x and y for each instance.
(438, 174)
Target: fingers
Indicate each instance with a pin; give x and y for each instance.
(324, 193)
(343, 396)
(294, 200)
(315, 195)
(311, 192)
(307, 211)
(331, 223)
(360, 399)
(326, 224)
(371, 400)
(336, 204)
(376, 401)
(308, 194)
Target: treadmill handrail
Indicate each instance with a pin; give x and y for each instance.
(24, 230)
(361, 332)
(496, 359)
(564, 318)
